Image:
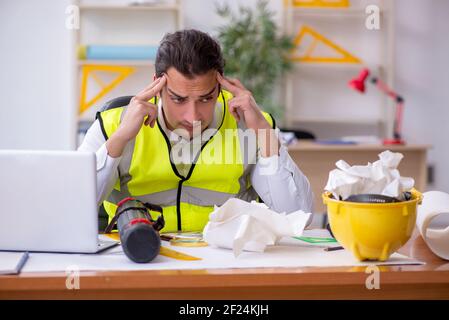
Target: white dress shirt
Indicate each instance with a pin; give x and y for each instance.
(287, 189)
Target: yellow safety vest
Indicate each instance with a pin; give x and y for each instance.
(147, 173)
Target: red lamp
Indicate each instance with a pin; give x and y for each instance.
(358, 84)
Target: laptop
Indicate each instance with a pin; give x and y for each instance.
(48, 202)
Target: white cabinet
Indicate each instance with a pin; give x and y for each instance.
(120, 23)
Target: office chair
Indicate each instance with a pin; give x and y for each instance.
(116, 103)
(300, 134)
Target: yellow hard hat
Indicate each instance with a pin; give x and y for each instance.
(372, 231)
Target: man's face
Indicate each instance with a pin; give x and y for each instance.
(188, 102)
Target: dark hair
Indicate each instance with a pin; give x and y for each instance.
(190, 52)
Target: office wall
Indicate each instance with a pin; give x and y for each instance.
(37, 105)
(212, 21)
(422, 76)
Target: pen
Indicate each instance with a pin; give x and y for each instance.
(22, 261)
(333, 248)
(166, 237)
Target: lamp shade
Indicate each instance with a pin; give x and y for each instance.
(358, 83)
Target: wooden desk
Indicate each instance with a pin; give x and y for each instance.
(317, 160)
(430, 281)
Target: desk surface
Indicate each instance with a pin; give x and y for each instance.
(314, 146)
(399, 282)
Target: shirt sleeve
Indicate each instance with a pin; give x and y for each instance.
(107, 173)
(281, 184)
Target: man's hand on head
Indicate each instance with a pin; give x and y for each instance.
(243, 105)
(139, 112)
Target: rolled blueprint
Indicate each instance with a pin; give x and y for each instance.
(434, 204)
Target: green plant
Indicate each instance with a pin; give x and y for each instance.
(254, 52)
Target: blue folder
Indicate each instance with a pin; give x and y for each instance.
(106, 52)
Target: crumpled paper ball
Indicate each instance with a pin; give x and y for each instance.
(240, 225)
(381, 177)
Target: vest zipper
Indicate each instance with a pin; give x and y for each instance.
(175, 171)
(178, 204)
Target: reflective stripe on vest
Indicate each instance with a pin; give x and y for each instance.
(147, 172)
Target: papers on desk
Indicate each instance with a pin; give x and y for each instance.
(240, 225)
(12, 262)
(288, 253)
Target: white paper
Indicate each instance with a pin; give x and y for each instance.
(434, 203)
(380, 177)
(240, 225)
(286, 254)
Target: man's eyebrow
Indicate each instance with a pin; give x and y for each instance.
(209, 93)
(181, 97)
(175, 94)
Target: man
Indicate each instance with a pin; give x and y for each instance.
(193, 139)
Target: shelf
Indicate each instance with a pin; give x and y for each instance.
(100, 25)
(156, 7)
(341, 66)
(134, 63)
(332, 13)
